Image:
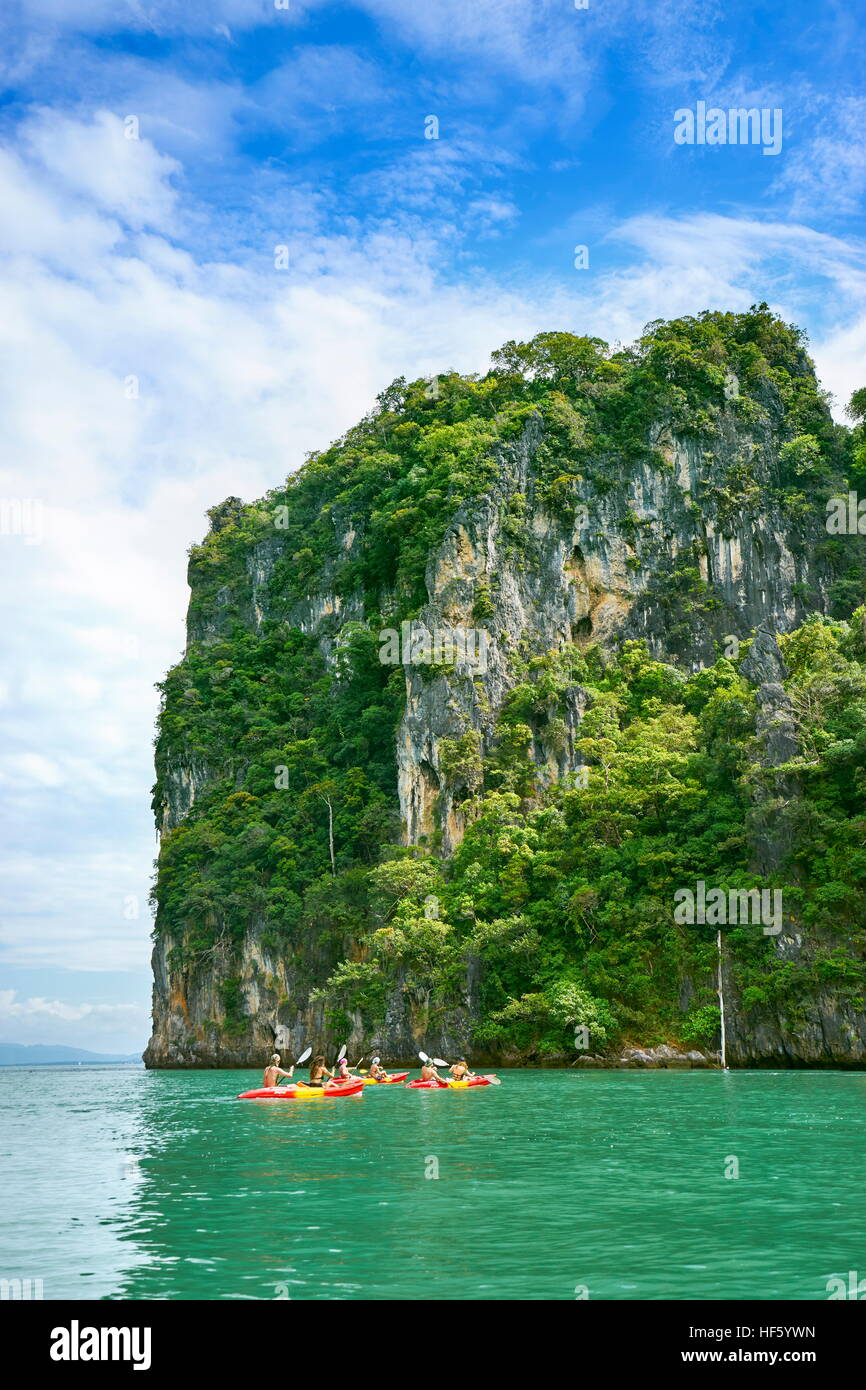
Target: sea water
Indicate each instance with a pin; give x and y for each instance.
(122, 1183)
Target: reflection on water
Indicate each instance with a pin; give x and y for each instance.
(124, 1184)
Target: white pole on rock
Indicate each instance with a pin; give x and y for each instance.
(721, 991)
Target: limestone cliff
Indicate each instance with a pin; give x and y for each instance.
(690, 546)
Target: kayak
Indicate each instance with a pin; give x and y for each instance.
(389, 1081)
(448, 1085)
(301, 1092)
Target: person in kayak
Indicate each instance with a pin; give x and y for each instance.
(318, 1071)
(460, 1071)
(274, 1070)
(429, 1072)
(343, 1071)
(377, 1071)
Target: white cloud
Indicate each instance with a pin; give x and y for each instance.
(93, 1026)
(29, 769)
(106, 161)
(436, 186)
(155, 16)
(707, 261)
(841, 360)
(554, 47)
(33, 223)
(826, 170)
(545, 44)
(55, 1008)
(316, 82)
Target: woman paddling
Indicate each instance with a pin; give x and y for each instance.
(343, 1071)
(274, 1070)
(318, 1070)
(460, 1071)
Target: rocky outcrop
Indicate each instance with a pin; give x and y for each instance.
(832, 1036)
(193, 1028)
(599, 576)
(530, 580)
(661, 1058)
(771, 822)
(182, 784)
(776, 725)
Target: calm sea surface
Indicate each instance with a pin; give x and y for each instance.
(121, 1183)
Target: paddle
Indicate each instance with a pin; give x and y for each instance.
(303, 1057)
(340, 1057)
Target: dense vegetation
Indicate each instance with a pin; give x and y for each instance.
(559, 900)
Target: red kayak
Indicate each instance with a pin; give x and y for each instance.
(299, 1091)
(449, 1085)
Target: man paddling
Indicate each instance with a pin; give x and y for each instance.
(274, 1070)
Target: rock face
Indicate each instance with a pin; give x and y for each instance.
(835, 1033)
(543, 604)
(589, 579)
(772, 821)
(832, 1037)
(653, 1059)
(600, 573)
(189, 1014)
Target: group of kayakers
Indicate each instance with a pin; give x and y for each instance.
(319, 1073)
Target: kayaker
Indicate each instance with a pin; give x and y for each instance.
(343, 1071)
(429, 1072)
(377, 1071)
(274, 1070)
(318, 1070)
(460, 1071)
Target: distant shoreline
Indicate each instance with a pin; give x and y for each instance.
(26, 1066)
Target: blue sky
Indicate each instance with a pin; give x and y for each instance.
(158, 360)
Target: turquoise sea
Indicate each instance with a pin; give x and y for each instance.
(121, 1183)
